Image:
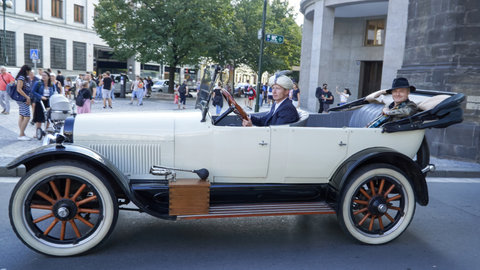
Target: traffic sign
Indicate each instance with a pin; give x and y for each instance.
(34, 54)
(274, 38)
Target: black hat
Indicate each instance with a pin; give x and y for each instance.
(400, 83)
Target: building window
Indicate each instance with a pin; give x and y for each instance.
(32, 42)
(10, 61)
(57, 7)
(78, 13)
(31, 5)
(375, 33)
(79, 56)
(58, 53)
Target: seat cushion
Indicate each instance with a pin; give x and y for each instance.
(365, 115)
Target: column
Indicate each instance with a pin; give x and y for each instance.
(322, 49)
(396, 32)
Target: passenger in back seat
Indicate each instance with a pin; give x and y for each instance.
(401, 106)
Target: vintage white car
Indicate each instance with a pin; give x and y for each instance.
(191, 165)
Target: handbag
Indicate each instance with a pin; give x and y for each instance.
(13, 93)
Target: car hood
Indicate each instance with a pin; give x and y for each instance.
(132, 126)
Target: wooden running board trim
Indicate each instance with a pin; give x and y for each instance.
(266, 209)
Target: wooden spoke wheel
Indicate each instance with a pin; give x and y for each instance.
(377, 205)
(62, 209)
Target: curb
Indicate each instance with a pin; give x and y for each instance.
(455, 174)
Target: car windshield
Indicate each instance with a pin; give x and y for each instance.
(205, 87)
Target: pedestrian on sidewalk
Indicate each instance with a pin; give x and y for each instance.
(56, 85)
(68, 87)
(41, 93)
(61, 78)
(7, 78)
(343, 96)
(106, 83)
(218, 98)
(182, 91)
(296, 96)
(84, 99)
(23, 88)
(137, 90)
(92, 85)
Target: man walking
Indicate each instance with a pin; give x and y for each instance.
(106, 82)
(6, 78)
(61, 78)
(92, 85)
(182, 91)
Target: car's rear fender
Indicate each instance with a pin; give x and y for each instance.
(379, 155)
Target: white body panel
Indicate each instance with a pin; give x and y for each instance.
(276, 154)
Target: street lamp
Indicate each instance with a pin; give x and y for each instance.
(5, 5)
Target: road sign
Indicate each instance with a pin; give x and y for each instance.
(274, 38)
(34, 54)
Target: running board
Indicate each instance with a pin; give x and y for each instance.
(264, 209)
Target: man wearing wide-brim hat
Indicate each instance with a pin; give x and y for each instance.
(401, 106)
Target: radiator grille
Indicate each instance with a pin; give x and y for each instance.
(131, 158)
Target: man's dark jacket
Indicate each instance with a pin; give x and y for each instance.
(285, 114)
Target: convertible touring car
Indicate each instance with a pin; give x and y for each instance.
(186, 165)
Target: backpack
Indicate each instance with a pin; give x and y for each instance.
(79, 100)
(182, 90)
(140, 85)
(13, 93)
(330, 101)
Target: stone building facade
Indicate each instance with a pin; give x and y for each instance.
(434, 43)
(63, 33)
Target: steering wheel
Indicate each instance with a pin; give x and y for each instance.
(238, 110)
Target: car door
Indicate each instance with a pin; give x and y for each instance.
(304, 154)
(240, 154)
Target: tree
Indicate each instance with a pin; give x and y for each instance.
(173, 32)
(247, 20)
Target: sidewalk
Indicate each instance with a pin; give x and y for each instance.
(10, 147)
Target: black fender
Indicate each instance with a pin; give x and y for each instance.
(379, 155)
(117, 180)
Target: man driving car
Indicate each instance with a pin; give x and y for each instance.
(283, 111)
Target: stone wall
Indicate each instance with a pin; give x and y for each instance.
(442, 52)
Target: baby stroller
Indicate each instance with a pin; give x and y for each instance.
(60, 109)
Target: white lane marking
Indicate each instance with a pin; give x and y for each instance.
(453, 180)
(9, 179)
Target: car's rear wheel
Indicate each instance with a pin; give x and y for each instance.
(377, 205)
(62, 208)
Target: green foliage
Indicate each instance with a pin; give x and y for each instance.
(178, 32)
(280, 20)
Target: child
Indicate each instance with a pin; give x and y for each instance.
(83, 99)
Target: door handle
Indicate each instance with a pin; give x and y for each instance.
(263, 143)
(341, 143)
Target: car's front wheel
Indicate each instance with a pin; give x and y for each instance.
(377, 205)
(62, 208)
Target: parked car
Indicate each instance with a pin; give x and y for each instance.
(117, 87)
(160, 86)
(192, 165)
(239, 89)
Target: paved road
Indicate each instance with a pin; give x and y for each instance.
(443, 235)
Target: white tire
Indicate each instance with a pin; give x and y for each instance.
(370, 215)
(74, 230)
